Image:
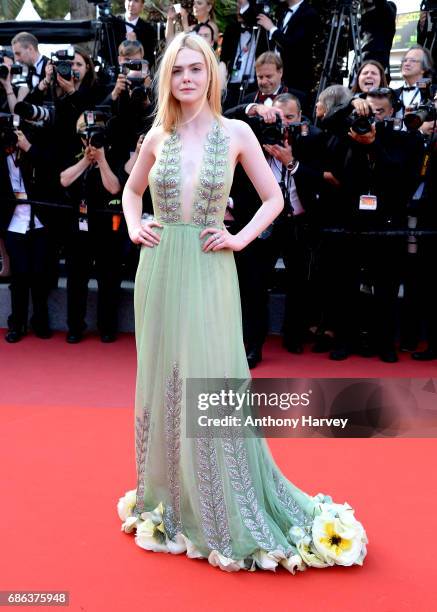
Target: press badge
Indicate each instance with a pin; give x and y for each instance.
(368, 202)
(83, 221)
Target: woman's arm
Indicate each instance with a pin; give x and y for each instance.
(251, 157)
(109, 180)
(135, 187)
(69, 175)
(257, 169)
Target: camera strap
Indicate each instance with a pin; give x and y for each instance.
(369, 200)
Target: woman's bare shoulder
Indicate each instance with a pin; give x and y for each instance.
(236, 127)
(238, 130)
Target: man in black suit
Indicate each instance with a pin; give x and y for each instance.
(378, 27)
(25, 49)
(380, 174)
(416, 64)
(293, 35)
(26, 229)
(131, 27)
(242, 42)
(298, 167)
(269, 72)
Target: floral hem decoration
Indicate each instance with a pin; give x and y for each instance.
(335, 538)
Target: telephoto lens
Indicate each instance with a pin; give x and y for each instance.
(31, 112)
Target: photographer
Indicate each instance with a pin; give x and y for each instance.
(203, 13)
(379, 177)
(26, 52)
(297, 168)
(23, 172)
(94, 235)
(416, 65)
(132, 27)
(294, 34)
(242, 43)
(128, 51)
(9, 94)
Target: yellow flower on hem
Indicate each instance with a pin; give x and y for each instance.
(334, 541)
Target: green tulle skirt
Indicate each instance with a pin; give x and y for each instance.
(223, 499)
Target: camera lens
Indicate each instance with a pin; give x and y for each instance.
(4, 71)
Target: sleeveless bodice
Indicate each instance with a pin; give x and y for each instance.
(211, 191)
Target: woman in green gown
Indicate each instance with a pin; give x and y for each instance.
(223, 499)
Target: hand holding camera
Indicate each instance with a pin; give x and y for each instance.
(120, 86)
(283, 154)
(365, 139)
(22, 142)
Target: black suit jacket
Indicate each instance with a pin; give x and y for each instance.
(145, 35)
(231, 39)
(296, 46)
(310, 152)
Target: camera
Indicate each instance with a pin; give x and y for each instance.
(32, 112)
(105, 8)
(277, 133)
(8, 125)
(62, 62)
(425, 111)
(21, 74)
(95, 128)
(360, 124)
(137, 65)
(264, 7)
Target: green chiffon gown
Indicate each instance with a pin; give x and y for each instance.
(222, 499)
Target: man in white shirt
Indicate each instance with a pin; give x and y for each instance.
(416, 64)
(25, 48)
(26, 241)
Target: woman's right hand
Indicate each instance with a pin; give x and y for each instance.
(143, 234)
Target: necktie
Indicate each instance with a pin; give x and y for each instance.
(284, 17)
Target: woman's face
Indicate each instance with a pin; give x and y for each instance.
(201, 9)
(189, 78)
(79, 66)
(320, 109)
(369, 78)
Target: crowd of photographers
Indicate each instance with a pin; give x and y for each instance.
(359, 183)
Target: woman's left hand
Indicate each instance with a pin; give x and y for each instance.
(97, 153)
(220, 239)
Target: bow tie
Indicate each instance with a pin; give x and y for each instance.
(412, 88)
(261, 98)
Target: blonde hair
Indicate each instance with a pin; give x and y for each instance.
(168, 109)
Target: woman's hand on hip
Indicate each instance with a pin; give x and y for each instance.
(143, 234)
(218, 239)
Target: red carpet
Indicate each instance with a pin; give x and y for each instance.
(66, 455)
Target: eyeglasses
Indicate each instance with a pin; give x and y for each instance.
(410, 59)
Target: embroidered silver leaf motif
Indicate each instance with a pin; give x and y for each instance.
(211, 180)
(252, 514)
(213, 512)
(173, 400)
(167, 181)
(142, 426)
(294, 512)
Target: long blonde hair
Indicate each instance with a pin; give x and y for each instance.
(168, 109)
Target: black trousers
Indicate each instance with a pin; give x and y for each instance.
(375, 261)
(102, 251)
(291, 239)
(30, 271)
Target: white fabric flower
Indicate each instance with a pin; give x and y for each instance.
(293, 563)
(224, 563)
(177, 545)
(126, 504)
(337, 536)
(309, 555)
(130, 524)
(150, 537)
(268, 560)
(192, 551)
(155, 515)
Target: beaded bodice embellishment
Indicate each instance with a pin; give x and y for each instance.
(209, 195)
(167, 180)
